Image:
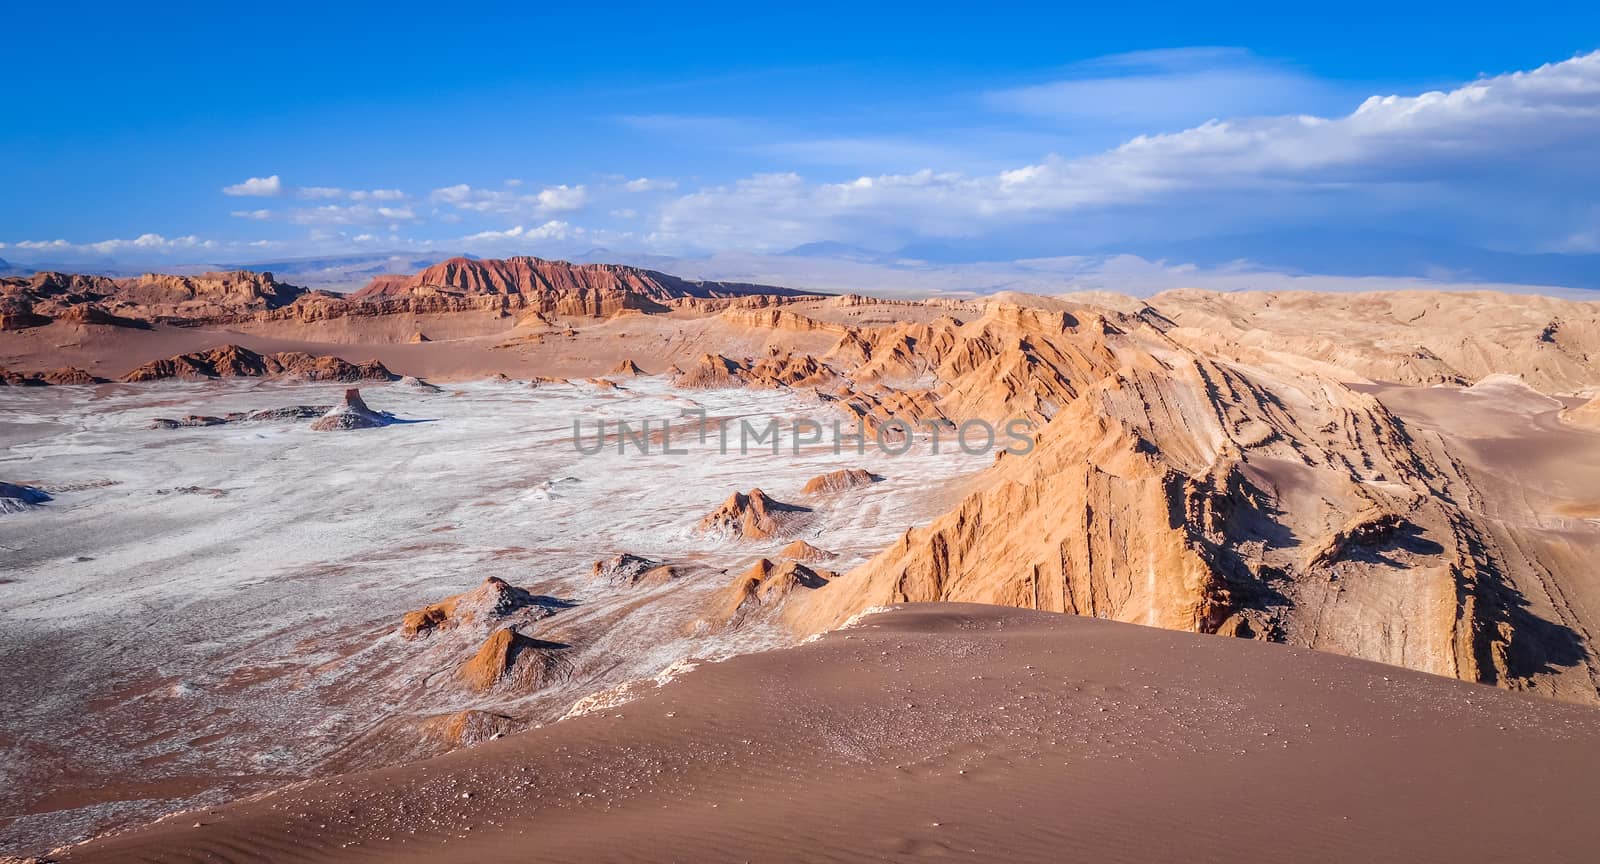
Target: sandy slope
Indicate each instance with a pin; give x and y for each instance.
(971, 733)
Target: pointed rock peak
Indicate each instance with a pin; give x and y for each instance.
(520, 662)
(352, 413)
(752, 516)
(802, 551)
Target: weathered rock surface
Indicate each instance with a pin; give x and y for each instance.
(265, 415)
(466, 728)
(627, 569)
(842, 480)
(752, 516)
(550, 287)
(762, 590)
(28, 301)
(804, 552)
(232, 361)
(514, 661)
(64, 376)
(352, 413)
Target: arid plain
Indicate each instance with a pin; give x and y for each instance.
(416, 623)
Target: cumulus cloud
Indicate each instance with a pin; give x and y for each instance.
(256, 187)
(509, 201)
(559, 198)
(1536, 125)
(274, 187)
(552, 230)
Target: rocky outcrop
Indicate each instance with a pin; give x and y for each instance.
(627, 367)
(138, 301)
(66, 375)
(510, 660)
(628, 570)
(1368, 528)
(762, 590)
(709, 372)
(466, 728)
(265, 415)
(15, 497)
(1409, 337)
(1585, 416)
(233, 361)
(555, 287)
(842, 480)
(416, 383)
(352, 413)
(804, 552)
(495, 598)
(1180, 488)
(752, 516)
(714, 371)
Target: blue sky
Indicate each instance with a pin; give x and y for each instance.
(969, 132)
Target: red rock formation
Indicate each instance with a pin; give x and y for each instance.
(516, 661)
(629, 570)
(494, 598)
(762, 589)
(556, 287)
(839, 481)
(714, 371)
(751, 517)
(232, 361)
(466, 728)
(352, 413)
(65, 375)
(802, 551)
(709, 372)
(36, 299)
(627, 367)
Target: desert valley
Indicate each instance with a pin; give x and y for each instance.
(295, 575)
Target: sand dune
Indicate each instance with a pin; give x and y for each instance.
(974, 733)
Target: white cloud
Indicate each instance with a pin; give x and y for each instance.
(650, 184)
(258, 215)
(257, 187)
(553, 199)
(377, 195)
(352, 214)
(1539, 124)
(147, 243)
(625, 213)
(1180, 86)
(552, 230)
(556, 199)
(319, 192)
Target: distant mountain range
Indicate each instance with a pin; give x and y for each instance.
(985, 265)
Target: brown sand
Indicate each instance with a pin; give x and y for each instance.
(970, 733)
